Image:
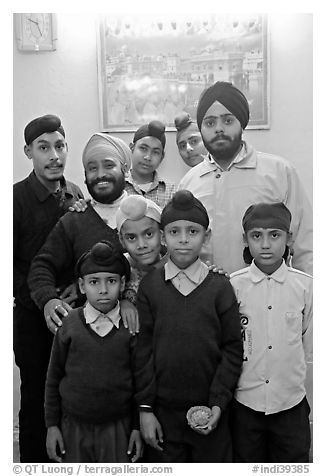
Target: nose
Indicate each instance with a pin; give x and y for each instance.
(265, 242)
(141, 243)
(103, 288)
(54, 154)
(219, 127)
(183, 237)
(189, 147)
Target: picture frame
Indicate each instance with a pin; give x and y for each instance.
(153, 67)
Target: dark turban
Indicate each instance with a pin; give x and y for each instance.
(103, 257)
(184, 206)
(41, 125)
(267, 215)
(228, 95)
(154, 129)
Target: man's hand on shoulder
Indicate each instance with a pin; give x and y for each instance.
(54, 310)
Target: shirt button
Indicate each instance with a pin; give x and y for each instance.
(268, 279)
(270, 346)
(269, 307)
(218, 175)
(267, 381)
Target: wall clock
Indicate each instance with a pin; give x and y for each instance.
(36, 31)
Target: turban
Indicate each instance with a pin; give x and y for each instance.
(184, 206)
(103, 146)
(154, 129)
(267, 215)
(228, 95)
(40, 125)
(182, 122)
(135, 207)
(103, 257)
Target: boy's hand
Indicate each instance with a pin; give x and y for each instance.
(135, 441)
(79, 206)
(52, 310)
(212, 422)
(151, 430)
(129, 316)
(216, 269)
(54, 438)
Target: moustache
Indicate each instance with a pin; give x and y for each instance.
(219, 137)
(102, 179)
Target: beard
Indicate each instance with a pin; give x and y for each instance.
(226, 151)
(104, 196)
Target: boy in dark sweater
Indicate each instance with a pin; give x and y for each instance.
(189, 351)
(89, 387)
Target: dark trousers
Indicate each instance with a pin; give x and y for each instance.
(181, 444)
(282, 437)
(32, 347)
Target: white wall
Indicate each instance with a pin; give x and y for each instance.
(64, 82)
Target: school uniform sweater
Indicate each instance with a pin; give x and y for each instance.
(89, 377)
(189, 350)
(54, 264)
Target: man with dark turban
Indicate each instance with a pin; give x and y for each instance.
(234, 175)
(106, 160)
(38, 202)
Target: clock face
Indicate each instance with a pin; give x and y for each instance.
(37, 26)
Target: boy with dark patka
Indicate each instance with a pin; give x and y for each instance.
(90, 385)
(189, 351)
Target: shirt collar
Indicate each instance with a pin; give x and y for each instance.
(256, 275)
(156, 179)
(91, 314)
(245, 159)
(193, 272)
(42, 193)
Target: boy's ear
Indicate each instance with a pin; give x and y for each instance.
(163, 237)
(121, 240)
(81, 285)
(208, 234)
(290, 240)
(131, 146)
(244, 239)
(122, 284)
(28, 152)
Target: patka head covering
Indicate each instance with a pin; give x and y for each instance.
(184, 206)
(154, 129)
(135, 207)
(103, 146)
(103, 257)
(267, 215)
(228, 95)
(183, 121)
(48, 123)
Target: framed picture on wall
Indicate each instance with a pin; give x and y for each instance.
(154, 67)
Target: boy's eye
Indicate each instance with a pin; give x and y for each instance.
(173, 232)
(209, 122)
(276, 234)
(194, 141)
(193, 231)
(182, 146)
(228, 120)
(130, 237)
(93, 281)
(149, 234)
(112, 281)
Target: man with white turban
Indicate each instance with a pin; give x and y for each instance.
(106, 160)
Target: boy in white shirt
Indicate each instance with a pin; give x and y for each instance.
(271, 412)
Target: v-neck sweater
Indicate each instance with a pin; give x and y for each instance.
(189, 350)
(89, 377)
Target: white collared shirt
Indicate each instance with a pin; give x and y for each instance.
(252, 177)
(100, 323)
(108, 211)
(186, 280)
(276, 320)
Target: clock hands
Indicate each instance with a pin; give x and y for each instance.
(36, 23)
